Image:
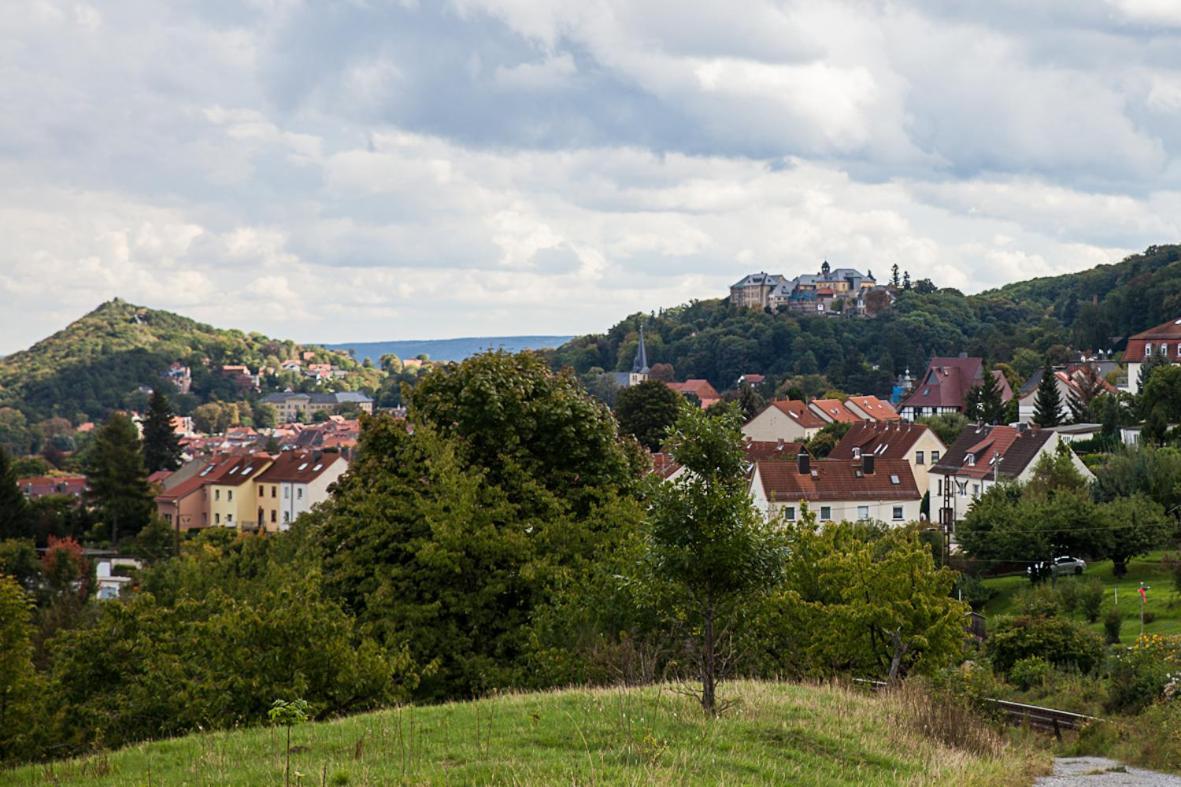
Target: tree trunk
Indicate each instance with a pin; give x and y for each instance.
(709, 678)
(1119, 566)
(900, 650)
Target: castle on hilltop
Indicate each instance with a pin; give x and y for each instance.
(831, 291)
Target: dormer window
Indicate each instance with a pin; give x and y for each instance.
(1164, 348)
(970, 460)
(1147, 349)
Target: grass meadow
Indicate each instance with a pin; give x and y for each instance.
(772, 733)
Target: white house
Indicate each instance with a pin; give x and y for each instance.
(788, 420)
(837, 490)
(295, 482)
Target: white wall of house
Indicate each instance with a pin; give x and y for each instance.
(773, 424)
(915, 413)
(893, 512)
(297, 498)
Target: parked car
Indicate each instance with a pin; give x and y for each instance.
(1068, 565)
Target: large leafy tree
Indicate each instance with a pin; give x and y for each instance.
(867, 600)
(15, 521)
(707, 540)
(1160, 402)
(161, 443)
(118, 479)
(1047, 402)
(646, 411)
(19, 685)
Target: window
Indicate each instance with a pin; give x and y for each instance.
(299, 493)
(863, 512)
(229, 494)
(273, 514)
(962, 487)
(217, 494)
(934, 457)
(260, 489)
(975, 491)
(897, 513)
(918, 458)
(1147, 349)
(789, 512)
(970, 460)
(286, 492)
(229, 519)
(895, 480)
(825, 513)
(217, 519)
(940, 487)
(168, 518)
(286, 517)
(273, 490)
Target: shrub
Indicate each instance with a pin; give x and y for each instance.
(1090, 598)
(1029, 672)
(974, 592)
(1112, 622)
(1061, 642)
(1140, 672)
(1040, 601)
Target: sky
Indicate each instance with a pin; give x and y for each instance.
(374, 169)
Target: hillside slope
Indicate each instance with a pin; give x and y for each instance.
(95, 363)
(1046, 317)
(776, 734)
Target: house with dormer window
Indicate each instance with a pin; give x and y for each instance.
(944, 387)
(983, 456)
(1162, 342)
(865, 489)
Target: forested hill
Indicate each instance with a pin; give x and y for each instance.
(1021, 323)
(97, 363)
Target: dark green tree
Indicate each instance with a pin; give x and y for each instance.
(1047, 403)
(646, 411)
(707, 540)
(19, 685)
(118, 479)
(984, 402)
(14, 509)
(161, 443)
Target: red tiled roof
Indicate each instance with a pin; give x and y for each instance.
(299, 467)
(771, 450)
(838, 480)
(835, 410)
(213, 470)
(884, 440)
(701, 388)
(45, 485)
(875, 408)
(1165, 332)
(663, 465)
(799, 412)
(1016, 447)
(946, 383)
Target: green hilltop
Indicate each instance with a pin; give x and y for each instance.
(1021, 323)
(94, 364)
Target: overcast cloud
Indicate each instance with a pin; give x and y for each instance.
(378, 169)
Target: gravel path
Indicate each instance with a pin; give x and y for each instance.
(1102, 772)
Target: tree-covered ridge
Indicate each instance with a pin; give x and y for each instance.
(1022, 323)
(94, 364)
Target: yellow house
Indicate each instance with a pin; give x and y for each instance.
(231, 498)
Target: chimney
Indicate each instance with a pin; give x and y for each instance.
(803, 462)
(867, 464)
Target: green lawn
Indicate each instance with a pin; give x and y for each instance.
(1163, 601)
(775, 734)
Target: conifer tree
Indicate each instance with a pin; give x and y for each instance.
(14, 510)
(984, 401)
(118, 479)
(1047, 404)
(161, 444)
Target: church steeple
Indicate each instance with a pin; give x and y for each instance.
(640, 364)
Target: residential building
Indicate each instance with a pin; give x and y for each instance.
(837, 490)
(296, 481)
(112, 575)
(915, 443)
(180, 376)
(833, 411)
(983, 456)
(184, 505)
(871, 408)
(1069, 380)
(1162, 342)
(35, 487)
(789, 420)
(944, 387)
(754, 290)
(639, 371)
(752, 380)
(231, 497)
(706, 394)
(292, 406)
(289, 406)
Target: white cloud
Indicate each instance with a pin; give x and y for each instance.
(367, 171)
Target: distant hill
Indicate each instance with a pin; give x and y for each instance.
(1022, 323)
(448, 349)
(97, 363)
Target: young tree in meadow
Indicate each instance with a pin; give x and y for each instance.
(118, 479)
(161, 443)
(646, 411)
(15, 520)
(1047, 403)
(707, 539)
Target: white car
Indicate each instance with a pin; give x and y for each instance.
(1068, 565)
